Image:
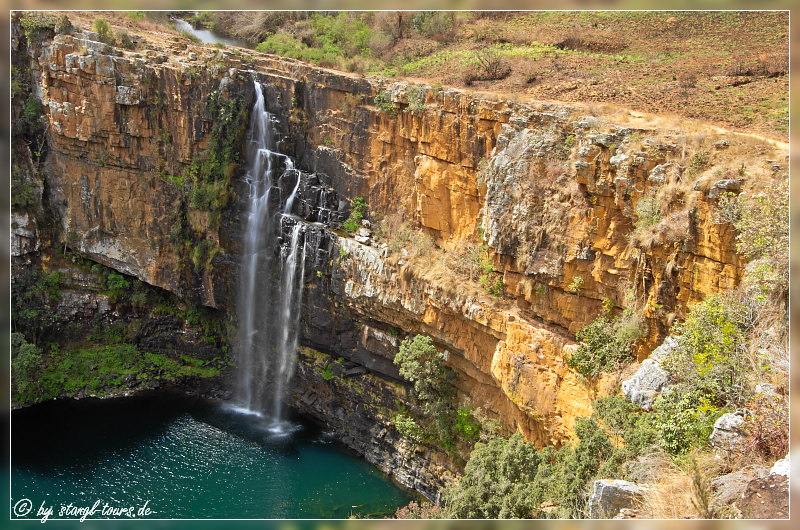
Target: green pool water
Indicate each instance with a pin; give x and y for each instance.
(186, 458)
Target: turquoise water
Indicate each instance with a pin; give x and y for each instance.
(187, 458)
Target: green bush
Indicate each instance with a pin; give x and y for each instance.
(713, 355)
(353, 223)
(63, 25)
(424, 366)
(605, 343)
(416, 99)
(763, 238)
(35, 23)
(499, 482)
(22, 190)
(685, 418)
(383, 100)
(103, 30)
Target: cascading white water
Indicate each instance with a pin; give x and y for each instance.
(271, 288)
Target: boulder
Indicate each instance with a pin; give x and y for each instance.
(781, 467)
(728, 433)
(611, 496)
(729, 488)
(650, 379)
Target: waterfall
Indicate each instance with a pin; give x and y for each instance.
(270, 282)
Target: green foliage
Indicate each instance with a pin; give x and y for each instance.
(136, 16)
(416, 99)
(191, 37)
(499, 482)
(383, 100)
(25, 359)
(391, 330)
(331, 38)
(576, 284)
(685, 418)
(763, 238)
(63, 25)
(467, 424)
(407, 427)
(35, 23)
(713, 355)
(606, 343)
(101, 370)
(353, 222)
(327, 373)
(569, 141)
(22, 190)
(30, 304)
(124, 40)
(202, 255)
(103, 30)
(424, 366)
(648, 211)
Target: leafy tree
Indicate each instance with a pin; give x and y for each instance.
(423, 365)
(498, 482)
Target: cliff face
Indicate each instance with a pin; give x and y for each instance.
(552, 193)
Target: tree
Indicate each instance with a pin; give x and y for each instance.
(498, 482)
(423, 365)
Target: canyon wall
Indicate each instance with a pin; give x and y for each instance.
(550, 191)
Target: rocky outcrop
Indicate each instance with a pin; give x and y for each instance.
(729, 434)
(611, 496)
(650, 379)
(357, 407)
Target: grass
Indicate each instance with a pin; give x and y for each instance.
(103, 370)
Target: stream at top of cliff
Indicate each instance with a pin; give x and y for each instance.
(188, 458)
(208, 36)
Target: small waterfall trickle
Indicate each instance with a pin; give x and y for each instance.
(271, 283)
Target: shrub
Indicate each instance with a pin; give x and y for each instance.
(35, 23)
(407, 427)
(103, 30)
(125, 40)
(416, 99)
(63, 25)
(763, 237)
(353, 222)
(383, 100)
(712, 357)
(576, 284)
(22, 190)
(194, 39)
(685, 418)
(424, 366)
(499, 482)
(25, 359)
(491, 63)
(606, 343)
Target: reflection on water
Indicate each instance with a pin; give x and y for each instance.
(208, 36)
(189, 458)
